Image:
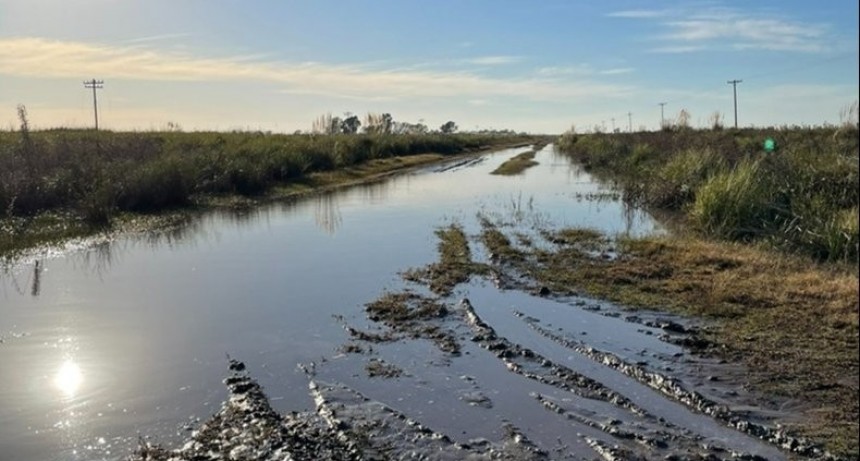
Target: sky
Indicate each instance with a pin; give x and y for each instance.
(536, 66)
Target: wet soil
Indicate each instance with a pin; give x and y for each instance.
(531, 368)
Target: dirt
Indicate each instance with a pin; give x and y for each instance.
(344, 425)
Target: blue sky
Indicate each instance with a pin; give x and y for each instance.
(537, 66)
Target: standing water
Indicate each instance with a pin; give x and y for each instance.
(129, 338)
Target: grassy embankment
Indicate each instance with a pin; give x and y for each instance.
(59, 184)
(803, 198)
(770, 256)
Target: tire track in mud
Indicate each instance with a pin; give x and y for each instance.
(656, 435)
(638, 435)
(675, 390)
(344, 426)
(527, 363)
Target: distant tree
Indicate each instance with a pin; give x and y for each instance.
(387, 123)
(448, 127)
(350, 124)
(409, 128)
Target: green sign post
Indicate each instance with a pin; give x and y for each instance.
(769, 145)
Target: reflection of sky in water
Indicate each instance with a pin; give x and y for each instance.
(153, 315)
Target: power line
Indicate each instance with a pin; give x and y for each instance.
(734, 84)
(95, 85)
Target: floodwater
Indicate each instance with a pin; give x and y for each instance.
(130, 337)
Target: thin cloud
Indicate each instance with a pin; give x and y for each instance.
(749, 33)
(618, 71)
(156, 38)
(493, 60)
(580, 70)
(638, 14)
(719, 27)
(37, 57)
(556, 71)
(676, 49)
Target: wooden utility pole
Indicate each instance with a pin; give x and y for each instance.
(662, 120)
(629, 122)
(95, 85)
(734, 84)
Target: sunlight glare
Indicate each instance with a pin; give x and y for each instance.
(69, 378)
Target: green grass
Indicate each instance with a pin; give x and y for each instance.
(89, 178)
(802, 198)
(455, 263)
(99, 173)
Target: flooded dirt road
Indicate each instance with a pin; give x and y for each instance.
(130, 338)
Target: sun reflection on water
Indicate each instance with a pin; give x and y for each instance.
(69, 378)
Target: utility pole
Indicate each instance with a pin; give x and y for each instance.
(734, 84)
(95, 85)
(629, 122)
(613, 124)
(662, 120)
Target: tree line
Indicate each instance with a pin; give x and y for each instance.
(373, 123)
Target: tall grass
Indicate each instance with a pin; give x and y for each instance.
(682, 175)
(734, 204)
(803, 198)
(97, 174)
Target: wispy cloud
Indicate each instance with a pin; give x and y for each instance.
(617, 71)
(156, 38)
(556, 71)
(493, 60)
(580, 70)
(676, 49)
(718, 27)
(37, 57)
(638, 14)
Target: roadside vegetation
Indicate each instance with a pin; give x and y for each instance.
(62, 183)
(802, 197)
(767, 251)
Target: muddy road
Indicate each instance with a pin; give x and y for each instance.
(378, 322)
(509, 372)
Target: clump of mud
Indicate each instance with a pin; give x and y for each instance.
(344, 426)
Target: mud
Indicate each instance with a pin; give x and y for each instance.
(347, 425)
(344, 425)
